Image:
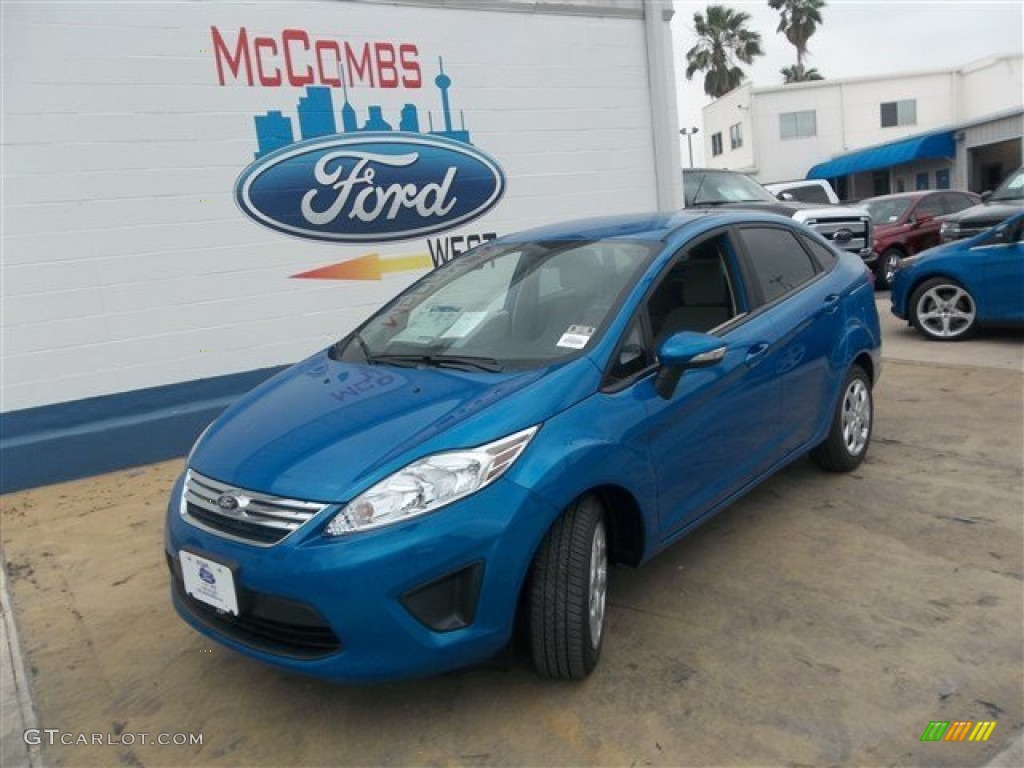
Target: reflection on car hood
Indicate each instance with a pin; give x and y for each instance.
(322, 429)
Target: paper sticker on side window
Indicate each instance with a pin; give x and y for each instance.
(576, 337)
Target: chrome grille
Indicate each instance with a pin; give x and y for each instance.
(242, 515)
(859, 229)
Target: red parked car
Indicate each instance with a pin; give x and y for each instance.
(907, 223)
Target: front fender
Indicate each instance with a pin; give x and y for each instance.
(600, 441)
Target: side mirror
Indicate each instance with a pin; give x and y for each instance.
(986, 195)
(684, 350)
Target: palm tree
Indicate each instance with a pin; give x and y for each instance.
(722, 39)
(792, 75)
(800, 18)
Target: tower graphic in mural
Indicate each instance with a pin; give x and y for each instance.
(316, 116)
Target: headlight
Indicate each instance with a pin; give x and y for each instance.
(949, 229)
(428, 484)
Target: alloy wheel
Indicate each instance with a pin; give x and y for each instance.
(946, 311)
(598, 583)
(856, 416)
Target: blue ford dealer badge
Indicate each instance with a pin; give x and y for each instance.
(371, 187)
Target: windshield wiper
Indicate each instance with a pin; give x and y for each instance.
(461, 362)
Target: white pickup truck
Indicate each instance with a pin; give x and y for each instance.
(804, 191)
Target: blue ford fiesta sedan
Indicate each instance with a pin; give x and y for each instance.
(486, 445)
(947, 292)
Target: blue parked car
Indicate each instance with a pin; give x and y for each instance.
(947, 292)
(480, 451)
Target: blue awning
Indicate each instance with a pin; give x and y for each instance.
(895, 153)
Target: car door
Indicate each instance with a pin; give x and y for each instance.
(924, 226)
(1003, 267)
(718, 429)
(790, 275)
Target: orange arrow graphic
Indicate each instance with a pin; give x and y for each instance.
(369, 267)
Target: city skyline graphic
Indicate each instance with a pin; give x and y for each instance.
(316, 117)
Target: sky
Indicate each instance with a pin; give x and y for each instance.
(856, 38)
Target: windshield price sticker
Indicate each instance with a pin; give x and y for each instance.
(576, 337)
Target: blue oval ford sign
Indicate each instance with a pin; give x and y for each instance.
(373, 187)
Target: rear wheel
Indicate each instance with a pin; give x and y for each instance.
(890, 262)
(568, 592)
(848, 437)
(943, 310)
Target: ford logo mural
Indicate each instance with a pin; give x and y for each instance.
(371, 187)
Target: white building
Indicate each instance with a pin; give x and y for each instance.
(959, 128)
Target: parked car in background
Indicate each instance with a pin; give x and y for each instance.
(846, 227)
(949, 291)
(1007, 200)
(804, 191)
(489, 442)
(908, 223)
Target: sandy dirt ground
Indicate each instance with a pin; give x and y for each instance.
(821, 620)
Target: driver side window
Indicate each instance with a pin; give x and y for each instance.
(696, 294)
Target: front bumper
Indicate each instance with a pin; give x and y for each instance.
(360, 607)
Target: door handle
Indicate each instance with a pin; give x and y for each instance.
(831, 303)
(756, 353)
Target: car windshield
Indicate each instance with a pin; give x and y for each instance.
(500, 307)
(886, 210)
(717, 187)
(1011, 189)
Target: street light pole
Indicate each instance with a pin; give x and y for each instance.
(689, 133)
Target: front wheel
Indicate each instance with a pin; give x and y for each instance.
(568, 593)
(850, 433)
(943, 310)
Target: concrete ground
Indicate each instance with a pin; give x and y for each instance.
(822, 620)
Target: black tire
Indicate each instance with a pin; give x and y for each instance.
(888, 263)
(850, 434)
(943, 310)
(563, 644)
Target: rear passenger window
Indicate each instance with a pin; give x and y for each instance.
(780, 264)
(824, 255)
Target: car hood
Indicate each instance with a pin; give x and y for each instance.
(985, 213)
(324, 430)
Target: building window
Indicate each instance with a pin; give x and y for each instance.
(942, 179)
(735, 136)
(922, 181)
(899, 113)
(716, 143)
(798, 125)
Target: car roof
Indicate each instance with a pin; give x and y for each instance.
(641, 226)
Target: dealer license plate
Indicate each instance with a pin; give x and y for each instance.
(209, 582)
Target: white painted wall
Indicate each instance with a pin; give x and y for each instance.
(125, 262)
(990, 85)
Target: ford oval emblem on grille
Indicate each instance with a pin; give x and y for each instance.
(371, 187)
(842, 235)
(227, 502)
